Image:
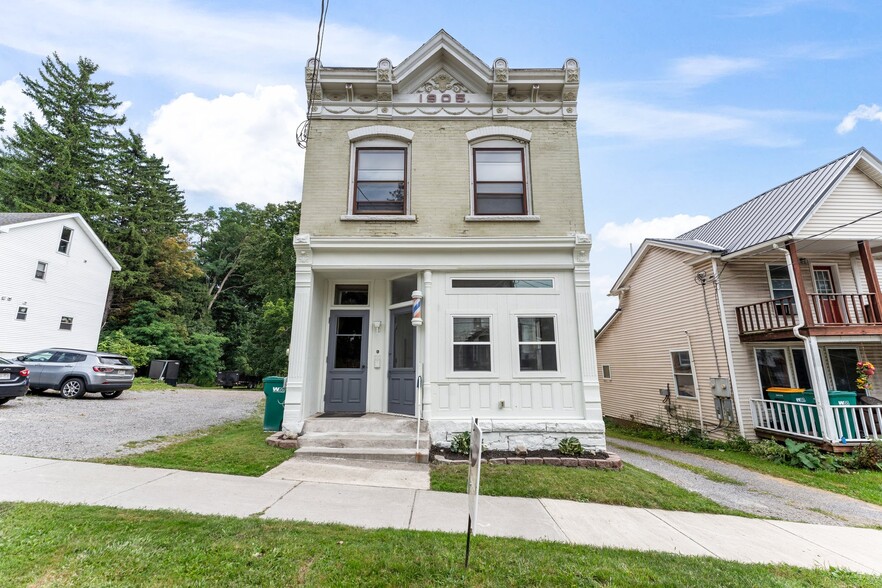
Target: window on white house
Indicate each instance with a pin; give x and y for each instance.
(471, 344)
(500, 181)
(40, 274)
(380, 181)
(683, 375)
(351, 295)
(606, 371)
(537, 346)
(22, 313)
(66, 323)
(64, 243)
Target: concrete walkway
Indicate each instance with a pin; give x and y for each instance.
(755, 493)
(28, 479)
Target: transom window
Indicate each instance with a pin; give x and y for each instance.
(537, 346)
(66, 323)
(500, 283)
(684, 377)
(64, 243)
(40, 274)
(351, 295)
(380, 181)
(500, 181)
(471, 344)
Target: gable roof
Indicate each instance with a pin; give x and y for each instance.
(781, 211)
(15, 220)
(692, 246)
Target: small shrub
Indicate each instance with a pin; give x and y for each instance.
(868, 456)
(461, 443)
(769, 450)
(570, 446)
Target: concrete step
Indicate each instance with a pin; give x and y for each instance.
(364, 440)
(360, 453)
(366, 424)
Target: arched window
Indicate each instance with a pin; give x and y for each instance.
(500, 174)
(379, 173)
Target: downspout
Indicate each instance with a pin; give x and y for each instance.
(726, 343)
(697, 391)
(812, 351)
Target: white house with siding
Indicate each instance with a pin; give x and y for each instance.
(781, 292)
(456, 183)
(55, 275)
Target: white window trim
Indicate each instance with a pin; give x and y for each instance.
(497, 291)
(674, 374)
(60, 322)
(501, 137)
(45, 271)
(332, 294)
(769, 279)
(606, 368)
(516, 360)
(788, 358)
(834, 275)
(380, 136)
(18, 311)
(494, 364)
(69, 241)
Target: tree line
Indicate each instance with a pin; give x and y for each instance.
(213, 289)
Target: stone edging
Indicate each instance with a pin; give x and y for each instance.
(278, 440)
(613, 462)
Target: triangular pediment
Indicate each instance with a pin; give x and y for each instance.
(442, 61)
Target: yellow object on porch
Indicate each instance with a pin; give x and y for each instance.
(786, 390)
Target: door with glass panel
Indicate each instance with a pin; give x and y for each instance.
(830, 311)
(402, 365)
(346, 386)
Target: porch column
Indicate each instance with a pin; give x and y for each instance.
(805, 305)
(585, 327)
(872, 280)
(819, 381)
(297, 354)
(425, 382)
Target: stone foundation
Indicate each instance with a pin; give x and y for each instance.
(523, 435)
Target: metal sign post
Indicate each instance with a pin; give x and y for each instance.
(474, 483)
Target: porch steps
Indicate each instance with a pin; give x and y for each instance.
(374, 437)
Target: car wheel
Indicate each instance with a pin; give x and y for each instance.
(4, 400)
(73, 388)
(111, 393)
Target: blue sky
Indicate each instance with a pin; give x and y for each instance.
(686, 107)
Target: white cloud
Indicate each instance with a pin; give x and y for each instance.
(634, 232)
(862, 112)
(230, 50)
(698, 71)
(240, 147)
(15, 103)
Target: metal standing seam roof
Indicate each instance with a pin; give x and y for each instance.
(13, 218)
(774, 213)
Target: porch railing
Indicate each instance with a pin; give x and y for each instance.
(789, 418)
(844, 309)
(768, 315)
(858, 423)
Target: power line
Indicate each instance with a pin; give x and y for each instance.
(303, 128)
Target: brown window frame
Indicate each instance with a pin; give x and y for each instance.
(355, 182)
(523, 182)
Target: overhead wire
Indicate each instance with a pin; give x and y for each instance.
(303, 128)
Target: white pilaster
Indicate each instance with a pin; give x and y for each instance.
(819, 381)
(585, 325)
(428, 325)
(300, 336)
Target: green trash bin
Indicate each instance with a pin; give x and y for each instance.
(795, 418)
(809, 417)
(274, 390)
(845, 418)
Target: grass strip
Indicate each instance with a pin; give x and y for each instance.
(863, 485)
(629, 486)
(237, 448)
(703, 472)
(65, 546)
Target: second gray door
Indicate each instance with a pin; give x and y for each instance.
(402, 372)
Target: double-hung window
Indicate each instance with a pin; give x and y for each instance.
(40, 274)
(64, 242)
(66, 323)
(380, 181)
(500, 181)
(537, 345)
(471, 344)
(782, 289)
(684, 377)
(22, 313)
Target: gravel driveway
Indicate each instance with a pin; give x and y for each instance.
(756, 493)
(46, 425)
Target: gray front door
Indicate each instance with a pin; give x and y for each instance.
(347, 361)
(402, 372)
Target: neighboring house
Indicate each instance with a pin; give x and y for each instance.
(458, 180)
(56, 272)
(794, 275)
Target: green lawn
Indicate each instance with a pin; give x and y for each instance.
(60, 546)
(233, 448)
(864, 485)
(629, 486)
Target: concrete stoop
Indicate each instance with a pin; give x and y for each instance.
(374, 437)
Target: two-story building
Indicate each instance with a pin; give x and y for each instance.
(754, 322)
(53, 289)
(442, 264)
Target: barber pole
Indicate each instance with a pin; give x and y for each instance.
(416, 318)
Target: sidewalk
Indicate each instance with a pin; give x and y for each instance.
(28, 479)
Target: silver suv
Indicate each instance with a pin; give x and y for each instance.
(73, 372)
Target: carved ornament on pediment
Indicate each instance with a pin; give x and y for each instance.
(572, 71)
(442, 82)
(569, 96)
(500, 70)
(384, 96)
(384, 70)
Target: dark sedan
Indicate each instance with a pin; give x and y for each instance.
(13, 380)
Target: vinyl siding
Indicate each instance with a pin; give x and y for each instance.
(663, 303)
(855, 196)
